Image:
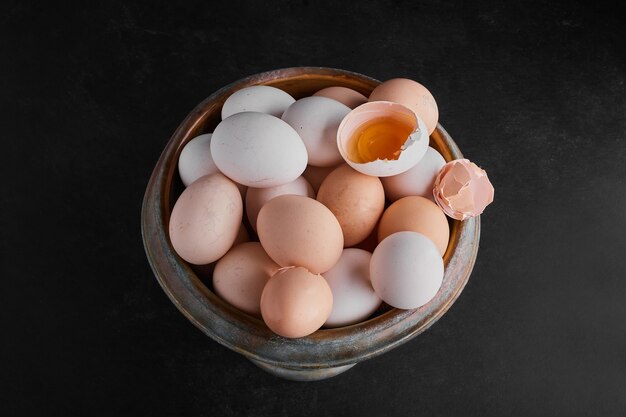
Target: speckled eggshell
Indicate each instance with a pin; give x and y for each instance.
(418, 180)
(259, 98)
(416, 214)
(296, 302)
(257, 197)
(357, 200)
(406, 270)
(316, 120)
(258, 150)
(205, 220)
(300, 231)
(354, 299)
(240, 276)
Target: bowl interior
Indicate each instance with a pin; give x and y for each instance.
(249, 335)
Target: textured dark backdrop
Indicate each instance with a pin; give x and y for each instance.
(532, 92)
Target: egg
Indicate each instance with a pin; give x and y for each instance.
(257, 197)
(195, 159)
(354, 299)
(382, 139)
(417, 214)
(206, 219)
(258, 98)
(357, 201)
(300, 231)
(344, 95)
(412, 95)
(258, 150)
(240, 276)
(406, 270)
(315, 175)
(296, 302)
(418, 180)
(316, 120)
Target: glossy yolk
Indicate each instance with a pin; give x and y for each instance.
(379, 139)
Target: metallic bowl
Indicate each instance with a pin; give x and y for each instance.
(327, 352)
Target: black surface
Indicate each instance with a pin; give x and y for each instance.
(533, 92)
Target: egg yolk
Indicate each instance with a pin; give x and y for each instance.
(381, 138)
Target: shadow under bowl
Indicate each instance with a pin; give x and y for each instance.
(327, 352)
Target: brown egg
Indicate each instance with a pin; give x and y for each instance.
(316, 175)
(357, 200)
(344, 95)
(416, 214)
(295, 302)
(412, 95)
(240, 276)
(206, 219)
(299, 231)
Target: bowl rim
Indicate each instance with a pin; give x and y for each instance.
(248, 335)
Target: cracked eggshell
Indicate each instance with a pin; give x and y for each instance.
(258, 150)
(412, 151)
(316, 120)
(259, 98)
(462, 189)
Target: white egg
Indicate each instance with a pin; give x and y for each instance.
(257, 197)
(406, 270)
(258, 150)
(379, 115)
(354, 299)
(316, 120)
(261, 98)
(418, 180)
(195, 159)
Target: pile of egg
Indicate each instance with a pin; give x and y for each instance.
(345, 195)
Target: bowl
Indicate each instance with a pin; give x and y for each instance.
(327, 352)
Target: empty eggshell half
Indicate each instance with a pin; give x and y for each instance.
(382, 139)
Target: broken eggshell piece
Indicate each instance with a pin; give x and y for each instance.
(462, 189)
(382, 139)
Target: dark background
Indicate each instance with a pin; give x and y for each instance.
(533, 92)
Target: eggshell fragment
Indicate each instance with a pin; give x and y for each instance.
(258, 98)
(257, 197)
(462, 189)
(296, 302)
(412, 95)
(258, 150)
(297, 230)
(418, 180)
(206, 219)
(408, 154)
(357, 201)
(406, 270)
(240, 276)
(316, 120)
(344, 95)
(354, 299)
(195, 159)
(417, 214)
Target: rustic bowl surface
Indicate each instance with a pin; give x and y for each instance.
(327, 352)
